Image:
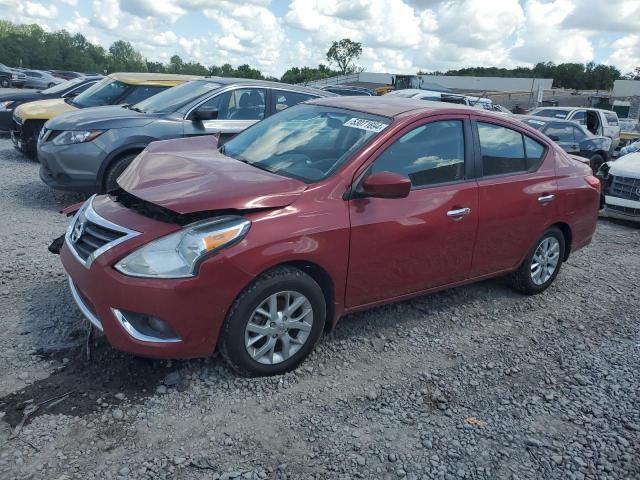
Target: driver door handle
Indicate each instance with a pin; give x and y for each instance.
(546, 198)
(458, 212)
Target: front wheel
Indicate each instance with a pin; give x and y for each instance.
(115, 170)
(274, 324)
(542, 265)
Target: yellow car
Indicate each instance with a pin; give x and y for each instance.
(115, 89)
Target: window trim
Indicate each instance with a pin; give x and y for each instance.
(470, 172)
(478, 152)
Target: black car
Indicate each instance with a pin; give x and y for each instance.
(70, 88)
(573, 138)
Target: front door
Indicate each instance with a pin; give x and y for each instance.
(238, 109)
(404, 246)
(516, 192)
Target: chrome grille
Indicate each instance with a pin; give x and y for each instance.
(89, 235)
(625, 187)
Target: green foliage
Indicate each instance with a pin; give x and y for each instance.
(580, 76)
(307, 74)
(343, 53)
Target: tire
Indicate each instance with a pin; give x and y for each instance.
(115, 170)
(5, 83)
(523, 280)
(51, 85)
(236, 332)
(595, 162)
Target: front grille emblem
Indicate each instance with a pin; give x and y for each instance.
(77, 232)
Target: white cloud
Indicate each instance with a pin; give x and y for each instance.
(626, 53)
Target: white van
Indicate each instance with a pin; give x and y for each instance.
(434, 96)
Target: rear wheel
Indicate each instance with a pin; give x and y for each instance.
(542, 265)
(115, 170)
(5, 83)
(51, 85)
(274, 324)
(596, 162)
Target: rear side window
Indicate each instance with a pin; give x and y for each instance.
(559, 132)
(612, 119)
(283, 99)
(430, 154)
(505, 151)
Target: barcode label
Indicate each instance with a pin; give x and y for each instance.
(362, 124)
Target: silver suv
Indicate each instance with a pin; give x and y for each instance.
(88, 149)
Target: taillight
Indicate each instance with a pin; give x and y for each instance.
(593, 181)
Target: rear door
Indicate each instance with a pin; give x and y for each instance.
(516, 195)
(407, 245)
(238, 109)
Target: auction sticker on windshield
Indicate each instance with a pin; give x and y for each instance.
(362, 124)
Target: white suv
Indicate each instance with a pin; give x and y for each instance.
(621, 188)
(598, 122)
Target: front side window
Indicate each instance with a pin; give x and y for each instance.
(580, 117)
(239, 104)
(283, 99)
(105, 92)
(142, 92)
(430, 154)
(505, 151)
(307, 142)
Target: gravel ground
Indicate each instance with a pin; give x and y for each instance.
(473, 383)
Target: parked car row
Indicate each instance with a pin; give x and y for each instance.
(11, 77)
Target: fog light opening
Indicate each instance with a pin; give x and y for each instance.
(146, 328)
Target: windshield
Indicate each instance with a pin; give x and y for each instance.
(61, 87)
(551, 113)
(307, 142)
(171, 100)
(105, 92)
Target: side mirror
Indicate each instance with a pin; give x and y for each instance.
(204, 114)
(386, 185)
(555, 138)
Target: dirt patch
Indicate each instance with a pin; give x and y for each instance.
(107, 373)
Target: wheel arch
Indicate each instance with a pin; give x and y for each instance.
(568, 237)
(119, 153)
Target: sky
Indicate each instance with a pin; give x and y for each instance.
(398, 36)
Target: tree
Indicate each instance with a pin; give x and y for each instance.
(124, 58)
(343, 54)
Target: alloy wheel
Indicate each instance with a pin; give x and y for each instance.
(279, 327)
(545, 260)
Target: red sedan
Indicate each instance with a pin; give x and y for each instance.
(254, 248)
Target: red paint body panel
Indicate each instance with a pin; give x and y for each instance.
(373, 250)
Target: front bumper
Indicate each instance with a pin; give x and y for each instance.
(621, 208)
(71, 167)
(194, 308)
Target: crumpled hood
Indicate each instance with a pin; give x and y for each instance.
(98, 118)
(627, 166)
(190, 175)
(42, 109)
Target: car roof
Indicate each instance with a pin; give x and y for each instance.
(568, 109)
(266, 84)
(137, 78)
(394, 105)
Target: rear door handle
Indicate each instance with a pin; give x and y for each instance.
(546, 198)
(458, 212)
